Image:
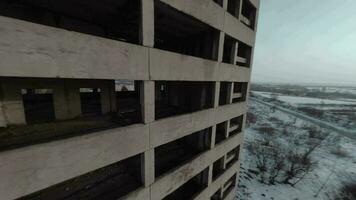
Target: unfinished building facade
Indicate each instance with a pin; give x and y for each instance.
(123, 99)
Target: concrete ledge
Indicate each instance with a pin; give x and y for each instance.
(172, 128)
(236, 29)
(33, 50)
(26, 170)
(172, 180)
(139, 194)
(207, 193)
(165, 65)
(229, 72)
(205, 10)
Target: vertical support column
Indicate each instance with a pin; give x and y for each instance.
(225, 4)
(12, 105)
(66, 100)
(213, 137)
(230, 92)
(221, 46)
(108, 99)
(148, 171)
(210, 175)
(234, 51)
(239, 10)
(148, 101)
(216, 94)
(147, 23)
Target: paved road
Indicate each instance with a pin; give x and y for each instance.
(323, 124)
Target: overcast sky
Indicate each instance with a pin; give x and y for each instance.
(306, 41)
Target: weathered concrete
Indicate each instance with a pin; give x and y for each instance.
(33, 50)
(36, 167)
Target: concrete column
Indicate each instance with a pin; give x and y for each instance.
(234, 51)
(147, 23)
(225, 4)
(148, 101)
(12, 104)
(213, 137)
(230, 92)
(148, 169)
(216, 94)
(108, 99)
(60, 103)
(240, 8)
(210, 175)
(2, 116)
(221, 46)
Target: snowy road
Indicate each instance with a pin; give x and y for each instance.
(327, 125)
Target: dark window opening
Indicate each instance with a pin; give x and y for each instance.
(175, 98)
(233, 7)
(236, 125)
(109, 183)
(248, 14)
(232, 157)
(218, 168)
(180, 33)
(178, 152)
(219, 2)
(65, 110)
(115, 19)
(190, 189)
(38, 105)
(128, 102)
(229, 186)
(221, 130)
(240, 92)
(217, 195)
(90, 101)
(229, 50)
(244, 55)
(224, 96)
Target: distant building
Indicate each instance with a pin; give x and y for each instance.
(124, 99)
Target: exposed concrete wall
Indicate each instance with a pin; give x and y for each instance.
(32, 168)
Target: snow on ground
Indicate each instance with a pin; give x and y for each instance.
(331, 170)
(294, 100)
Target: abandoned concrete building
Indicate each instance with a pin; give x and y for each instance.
(123, 99)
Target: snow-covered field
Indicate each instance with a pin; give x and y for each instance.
(335, 160)
(293, 100)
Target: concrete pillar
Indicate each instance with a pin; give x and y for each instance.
(2, 116)
(230, 92)
(148, 169)
(216, 94)
(148, 101)
(210, 175)
(147, 23)
(12, 104)
(225, 4)
(234, 50)
(221, 46)
(213, 137)
(240, 8)
(108, 99)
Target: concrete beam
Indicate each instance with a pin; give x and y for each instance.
(34, 50)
